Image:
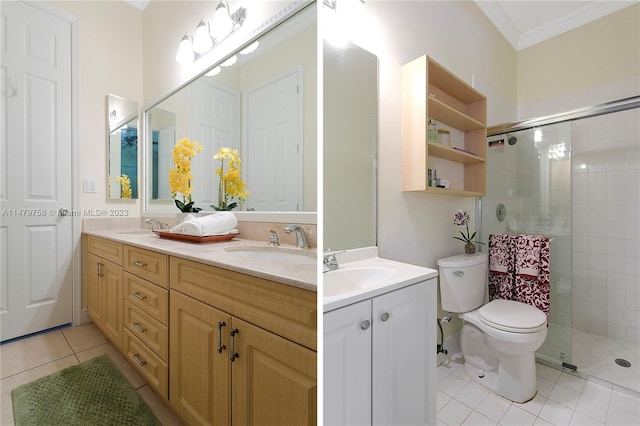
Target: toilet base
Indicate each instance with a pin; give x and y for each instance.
(489, 381)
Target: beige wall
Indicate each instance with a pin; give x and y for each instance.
(414, 227)
(603, 51)
(109, 53)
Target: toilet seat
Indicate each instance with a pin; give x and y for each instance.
(512, 316)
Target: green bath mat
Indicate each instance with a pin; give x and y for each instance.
(91, 393)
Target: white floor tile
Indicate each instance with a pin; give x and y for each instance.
(619, 417)
(565, 396)
(556, 413)
(441, 400)
(545, 386)
(472, 395)
(580, 419)
(625, 402)
(493, 407)
(592, 407)
(517, 417)
(451, 385)
(599, 392)
(548, 373)
(534, 406)
(454, 413)
(477, 419)
(571, 381)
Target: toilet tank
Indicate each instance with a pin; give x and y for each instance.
(463, 280)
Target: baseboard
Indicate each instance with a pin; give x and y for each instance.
(84, 317)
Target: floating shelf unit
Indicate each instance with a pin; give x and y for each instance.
(430, 91)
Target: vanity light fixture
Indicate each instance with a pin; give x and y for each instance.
(207, 35)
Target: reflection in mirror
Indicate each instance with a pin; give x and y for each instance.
(260, 101)
(122, 148)
(350, 82)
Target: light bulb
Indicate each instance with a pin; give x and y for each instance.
(185, 53)
(202, 42)
(222, 23)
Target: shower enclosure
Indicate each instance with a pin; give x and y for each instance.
(575, 179)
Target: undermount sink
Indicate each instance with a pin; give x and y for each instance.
(275, 254)
(349, 279)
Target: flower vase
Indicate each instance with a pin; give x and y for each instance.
(469, 249)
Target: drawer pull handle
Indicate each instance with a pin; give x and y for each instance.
(139, 296)
(140, 329)
(220, 345)
(233, 355)
(138, 263)
(139, 361)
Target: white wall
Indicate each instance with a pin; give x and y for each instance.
(413, 227)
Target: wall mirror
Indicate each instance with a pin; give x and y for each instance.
(122, 148)
(350, 147)
(261, 101)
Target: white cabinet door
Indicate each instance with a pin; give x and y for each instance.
(404, 362)
(347, 365)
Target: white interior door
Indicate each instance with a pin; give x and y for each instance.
(36, 279)
(273, 154)
(166, 141)
(215, 123)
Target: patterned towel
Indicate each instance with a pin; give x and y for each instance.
(532, 284)
(501, 267)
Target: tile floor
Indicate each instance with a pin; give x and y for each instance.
(595, 355)
(28, 359)
(562, 399)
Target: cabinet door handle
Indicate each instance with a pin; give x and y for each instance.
(138, 263)
(137, 326)
(139, 296)
(220, 345)
(233, 355)
(385, 316)
(99, 267)
(139, 361)
(365, 324)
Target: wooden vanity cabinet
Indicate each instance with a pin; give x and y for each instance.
(233, 358)
(146, 315)
(104, 288)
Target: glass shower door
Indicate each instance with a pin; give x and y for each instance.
(529, 192)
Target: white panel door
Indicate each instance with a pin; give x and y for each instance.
(35, 176)
(347, 365)
(273, 154)
(215, 123)
(404, 363)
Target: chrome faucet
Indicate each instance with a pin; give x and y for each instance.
(150, 221)
(301, 238)
(273, 238)
(329, 261)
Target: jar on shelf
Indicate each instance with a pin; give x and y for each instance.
(444, 137)
(431, 131)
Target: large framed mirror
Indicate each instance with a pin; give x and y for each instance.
(260, 101)
(350, 146)
(122, 148)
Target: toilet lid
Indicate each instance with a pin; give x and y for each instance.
(510, 315)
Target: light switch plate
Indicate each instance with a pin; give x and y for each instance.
(89, 185)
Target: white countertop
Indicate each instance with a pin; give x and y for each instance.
(214, 254)
(348, 291)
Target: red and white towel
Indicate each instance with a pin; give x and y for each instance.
(519, 269)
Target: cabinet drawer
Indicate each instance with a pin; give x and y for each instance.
(148, 297)
(148, 330)
(105, 249)
(149, 365)
(285, 310)
(146, 264)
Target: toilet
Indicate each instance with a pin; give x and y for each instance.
(498, 339)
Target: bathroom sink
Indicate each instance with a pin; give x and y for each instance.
(347, 280)
(275, 254)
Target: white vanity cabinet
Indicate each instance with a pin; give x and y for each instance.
(380, 359)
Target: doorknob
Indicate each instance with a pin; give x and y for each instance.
(64, 212)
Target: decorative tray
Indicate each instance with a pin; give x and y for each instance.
(194, 238)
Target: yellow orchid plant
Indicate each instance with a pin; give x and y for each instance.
(180, 174)
(125, 186)
(231, 184)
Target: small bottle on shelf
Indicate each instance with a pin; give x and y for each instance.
(431, 131)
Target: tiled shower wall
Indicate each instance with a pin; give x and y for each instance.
(605, 210)
(606, 225)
